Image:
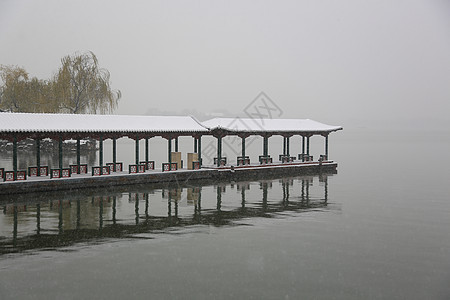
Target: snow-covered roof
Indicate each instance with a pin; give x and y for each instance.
(269, 125)
(28, 122)
(77, 123)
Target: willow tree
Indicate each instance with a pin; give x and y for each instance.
(19, 93)
(13, 87)
(81, 86)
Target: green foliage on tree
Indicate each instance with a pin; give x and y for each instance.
(79, 86)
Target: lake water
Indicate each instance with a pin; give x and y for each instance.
(379, 229)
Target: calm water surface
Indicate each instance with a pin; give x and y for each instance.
(379, 229)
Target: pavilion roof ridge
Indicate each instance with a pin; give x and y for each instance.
(40, 122)
(198, 122)
(269, 125)
(123, 124)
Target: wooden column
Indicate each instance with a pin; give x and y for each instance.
(265, 145)
(38, 156)
(15, 156)
(307, 145)
(169, 151)
(137, 150)
(78, 155)
(199, 149)
(243, 146)
(60, 153)
(219, 150)
(326, 146)
(146, 149)
(176, 144)
(288, 146)
(100, 152)
(114, 154)
(303, 145)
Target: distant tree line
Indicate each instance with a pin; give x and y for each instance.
(79, 86)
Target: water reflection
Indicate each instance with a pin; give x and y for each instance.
(55, 220)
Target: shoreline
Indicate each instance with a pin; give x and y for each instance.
(85, 181)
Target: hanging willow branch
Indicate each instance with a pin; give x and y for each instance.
(82, 86)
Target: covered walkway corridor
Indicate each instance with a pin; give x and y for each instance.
(15, 127)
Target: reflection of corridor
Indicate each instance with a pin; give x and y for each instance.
(63, 220)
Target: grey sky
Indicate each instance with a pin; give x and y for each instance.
(338, 62)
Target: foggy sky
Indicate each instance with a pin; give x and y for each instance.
(350, 63)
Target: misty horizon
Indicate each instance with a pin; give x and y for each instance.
(352, 63)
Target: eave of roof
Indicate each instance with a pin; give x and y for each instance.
(48, 123)
(126, 124)
(239, 125)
